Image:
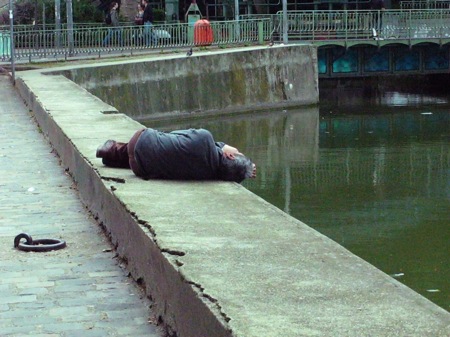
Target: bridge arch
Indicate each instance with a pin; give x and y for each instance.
(371, 59)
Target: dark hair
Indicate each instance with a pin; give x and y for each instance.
(236, 169)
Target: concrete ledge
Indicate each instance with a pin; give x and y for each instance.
(216, 259)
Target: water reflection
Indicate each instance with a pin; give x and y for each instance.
(393, 98)
(376, 183)
(361, 100)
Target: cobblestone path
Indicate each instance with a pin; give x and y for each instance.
(81, 290)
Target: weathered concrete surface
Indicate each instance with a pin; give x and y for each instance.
(207, 82)
(216, 259)
(81, 290)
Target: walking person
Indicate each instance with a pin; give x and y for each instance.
(378, 7)
(112, 19)
(139, 22)
(178, 155)
(139, 17)
(148, 23)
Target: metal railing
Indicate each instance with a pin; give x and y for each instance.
(41, 42)
(5, 44)
(425, 4)
(360, 24)
(319, 27)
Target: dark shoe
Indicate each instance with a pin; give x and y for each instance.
(104, 149)
(110, 163)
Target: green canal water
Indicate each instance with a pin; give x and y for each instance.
(373, 176)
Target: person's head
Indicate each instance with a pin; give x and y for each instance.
(113, 5)
(237, 169)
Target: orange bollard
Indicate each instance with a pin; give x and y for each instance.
(203, 34)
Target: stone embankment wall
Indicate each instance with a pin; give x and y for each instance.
(206, 82)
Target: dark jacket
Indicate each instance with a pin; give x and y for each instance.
(148, 14)
(377, 4)
(184, 154)
(114, 18)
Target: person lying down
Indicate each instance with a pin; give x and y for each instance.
(191, 154)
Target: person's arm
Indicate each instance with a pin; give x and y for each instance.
(115, 18)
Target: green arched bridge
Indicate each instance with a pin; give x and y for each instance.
(364, 43)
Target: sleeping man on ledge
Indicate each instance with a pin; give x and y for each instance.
(181, 155)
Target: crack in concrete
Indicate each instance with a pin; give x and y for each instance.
(110, 112)
(197, 285)
(173, 252)
(213, 301)
(153, 234)
(146, 225)
(117, 180)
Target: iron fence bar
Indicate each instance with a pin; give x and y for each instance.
(409, 27)
(425, 4)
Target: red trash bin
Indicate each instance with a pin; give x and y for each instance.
(203, 34)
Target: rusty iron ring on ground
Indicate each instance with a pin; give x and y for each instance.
(40, 245)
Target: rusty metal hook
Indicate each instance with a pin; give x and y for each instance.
(40, 245)
(22, 236)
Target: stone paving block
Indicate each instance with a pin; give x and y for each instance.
(17, 331)
(127, 331)
(90, 332)
(105, 286)
(4, 288)
(28, 285)
(72, 282)
(104, 274)
(72, 310)
(19, 299)
(6, 323)
(36, 335)
(89, 317)
(35, 291)
(29, 322)
(15, 312)
(62, 327)
(73, 288)
(130, 313)
(37, 305)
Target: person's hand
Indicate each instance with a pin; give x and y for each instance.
(254, 171)
(229, 151)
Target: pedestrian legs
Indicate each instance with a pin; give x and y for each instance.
(148, 34)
